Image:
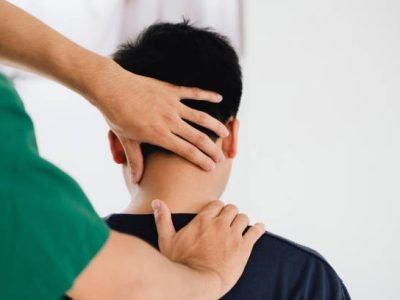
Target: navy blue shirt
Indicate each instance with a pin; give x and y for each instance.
(278, 269)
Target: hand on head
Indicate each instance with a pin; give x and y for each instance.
(146, 110)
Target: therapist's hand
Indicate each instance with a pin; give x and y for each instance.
(213, 243)
(202, 261)
(144, 110)
(138, 109)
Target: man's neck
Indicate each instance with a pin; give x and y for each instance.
(181, 185)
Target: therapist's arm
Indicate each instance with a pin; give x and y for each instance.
(137, 108)
(205, 259)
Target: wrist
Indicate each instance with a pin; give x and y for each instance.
(208, 283)
(92, 79)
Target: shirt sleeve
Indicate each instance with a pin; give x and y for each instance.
(322, 282)
(344, 293)
(49, 231)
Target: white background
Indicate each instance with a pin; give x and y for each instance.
(319, 157)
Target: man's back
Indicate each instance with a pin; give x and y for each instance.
(278, 269)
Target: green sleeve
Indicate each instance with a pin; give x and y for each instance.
(49, 231)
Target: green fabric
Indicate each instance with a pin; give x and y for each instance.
(48, 230)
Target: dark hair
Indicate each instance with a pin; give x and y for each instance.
(185, 55)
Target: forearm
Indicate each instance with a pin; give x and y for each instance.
(28, 43)
(128, 268)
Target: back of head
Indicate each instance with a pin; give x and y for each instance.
(184, 55)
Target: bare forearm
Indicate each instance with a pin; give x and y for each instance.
(120, 95)
(28, 43)
(159, 278)
(128, 268)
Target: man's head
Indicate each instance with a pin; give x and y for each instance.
(188, 56)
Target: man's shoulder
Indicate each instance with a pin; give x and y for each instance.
(285, 250)
(289, 267)
(281, 252)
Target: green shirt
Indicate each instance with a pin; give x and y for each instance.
(48, 229)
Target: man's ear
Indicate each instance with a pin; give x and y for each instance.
(127, 153)
(229, 144)
(117, 150)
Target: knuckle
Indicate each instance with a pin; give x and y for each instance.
(201, 118)
(262, 228)
(244, 217)
(172, 102)
(257, 229)
(190, 151)
(167, 118)
(196, 93)
(218, 203)
(231, 207)
(168, 85)
(202, 218)
(185, 92)
(180, 89)
(158, 131)
(201, 139)
(219, 222)
(173, 89)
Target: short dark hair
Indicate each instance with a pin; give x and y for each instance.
(185, 55)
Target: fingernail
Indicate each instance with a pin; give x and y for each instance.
(219, 98)
(155, 205)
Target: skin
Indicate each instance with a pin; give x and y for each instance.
(126, 267)
(205, 259)
(182, 186)
(117, 93)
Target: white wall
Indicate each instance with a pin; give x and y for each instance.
(323, 133)
(319, 156)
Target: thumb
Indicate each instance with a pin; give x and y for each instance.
(165, 227)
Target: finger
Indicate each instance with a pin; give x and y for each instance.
(135, 158)
(198, 94)
(212, 209)
(228, 213)
(165, 227)
(188, 151)
(254, 233)
(240, 223)
(200, 140)
(205, 120)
